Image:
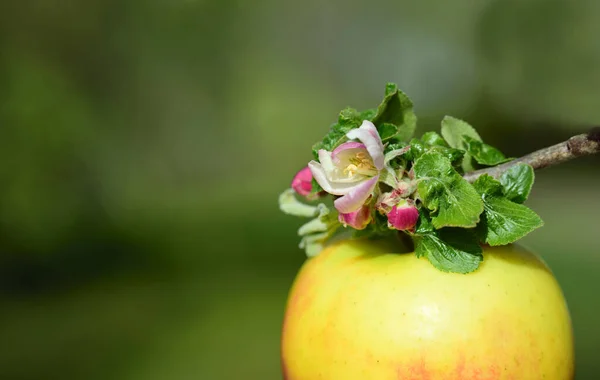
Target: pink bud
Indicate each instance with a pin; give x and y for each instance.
(302, 182)
(403, 216)
(358, 219)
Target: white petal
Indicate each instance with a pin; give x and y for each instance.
(327, 163)
(335, 188)
(368, 135)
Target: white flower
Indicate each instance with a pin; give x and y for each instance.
(352, 169)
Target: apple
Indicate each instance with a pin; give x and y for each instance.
(366, 309)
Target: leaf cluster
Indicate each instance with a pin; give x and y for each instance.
(457, 217)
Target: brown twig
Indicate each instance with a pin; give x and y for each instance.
(576, 146)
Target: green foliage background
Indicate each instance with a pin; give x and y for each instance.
(143, 145)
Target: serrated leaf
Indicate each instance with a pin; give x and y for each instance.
(455, 156)
(483, 153)
(453, 130)
(452, 200)
(417, 148)
(387, 131)
(488, 186)
(368, 114)
(503, 221)
(453, 250)
(517, 182)
(348, 119)
(390, 88)
(436, 143)
(397, 109)
(335, 136)
(432, 138)
(349, 116)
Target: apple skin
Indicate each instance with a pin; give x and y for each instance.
(359, 311)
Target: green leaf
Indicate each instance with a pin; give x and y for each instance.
(517, 182)
(503, 221)
(452, 250)
(488, 186)
(387, 131)
(452, 200)
(436, 143)
(417, 149)
(336, 136)
(432, 138)
(368, 114)
(314, 190)
(483, 153)
(394, 162)
(394, 146)
(453, 130)
(424, 225)
(455, 156)
(397, 109)
(349, 116)
(390, 88)
(348, 119)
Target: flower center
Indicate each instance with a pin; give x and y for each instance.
(360, 163)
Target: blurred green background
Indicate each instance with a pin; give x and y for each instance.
(143, 145)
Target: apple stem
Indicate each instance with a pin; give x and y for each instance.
(576, 146)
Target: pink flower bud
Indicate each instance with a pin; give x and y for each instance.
(302, 182)
(403, 216)
(358, 219)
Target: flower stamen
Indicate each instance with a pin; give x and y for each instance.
(350, 170)
(360, 163)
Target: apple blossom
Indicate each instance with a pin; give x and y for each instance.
(352, 169)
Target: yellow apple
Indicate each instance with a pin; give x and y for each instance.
(364, 310)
